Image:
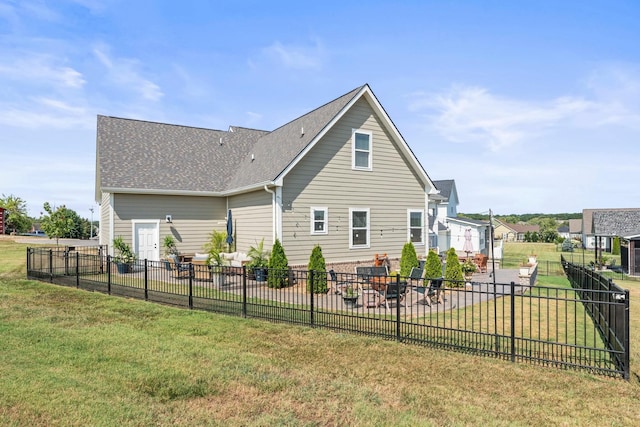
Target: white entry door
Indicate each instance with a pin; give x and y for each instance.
(147, 237)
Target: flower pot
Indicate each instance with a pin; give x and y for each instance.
(350, 301)
(218, 279)
(123, 267)
(260, 274)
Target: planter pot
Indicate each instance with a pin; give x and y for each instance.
(123, 268)
(260, 274)
(218, 279)
(533, 259)
(524, 271)
(468, 276)
(350, 301)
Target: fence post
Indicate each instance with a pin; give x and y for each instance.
(513, 321)
(191, 286)
(108, 274)
(244, 291)
(51, 265)
(313, 288)
(77, 270)
(146, 284)
(28, 261)
(626, 335)
(398, 337)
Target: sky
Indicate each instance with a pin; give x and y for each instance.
(529, 106)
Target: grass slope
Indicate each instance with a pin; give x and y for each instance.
(71, 357)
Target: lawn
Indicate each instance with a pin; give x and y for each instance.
(70, 357)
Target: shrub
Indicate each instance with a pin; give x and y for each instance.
(433, 266)
(567, 246)
(319, 268)
(408, 259)
(453, 272)
(615, 248)
(278, 267)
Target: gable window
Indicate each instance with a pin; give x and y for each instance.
(415, 226)
(361, 149)
(319, 220)
(358, 227)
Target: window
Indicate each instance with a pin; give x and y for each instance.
(359, 228)
(319, 221)
(415, 226)
(361, 143)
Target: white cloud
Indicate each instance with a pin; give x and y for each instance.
(125, 72)
(35, 68)
(467, 114)
(296, 57)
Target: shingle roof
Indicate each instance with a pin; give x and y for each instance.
(147, 156)
(445, 186)
(616, 222)
(587, 217)
(575, 226)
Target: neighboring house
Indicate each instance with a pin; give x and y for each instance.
(563, 232)
(588, 233)
(625, 224)
(446, 229)
(513, 232)
(575, 229)
(340, 176)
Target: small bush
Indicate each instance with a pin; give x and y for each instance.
(453, 270)
(567, 246)
(615, 248)
(408, 259)
(278, 267)
(433, 266)
(319, 268)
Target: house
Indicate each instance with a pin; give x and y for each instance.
(340, 176)
(575, 229)
(588, 232)
(621, 223)
(513, 232)
(447, 230)
(563, 231)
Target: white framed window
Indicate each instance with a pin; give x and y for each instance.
(415, 226)
(319, 220)
(361, 143)
(359, 229)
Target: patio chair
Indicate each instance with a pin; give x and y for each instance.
(337, 287)
(392, 291)
(416, 275)
(179, 270)
(480, 260)
(432, 292)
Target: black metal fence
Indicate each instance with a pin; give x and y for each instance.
(551, 326)
(608, 306)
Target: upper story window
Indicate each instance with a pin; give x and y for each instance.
(415, 225)
(361, 149)
(319, 220)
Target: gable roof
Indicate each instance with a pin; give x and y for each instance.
(146, 157)
(575, 225)
(520, 228)
(622, 223)
(587, 217)
(446, 187)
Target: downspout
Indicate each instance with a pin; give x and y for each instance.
(273, 213)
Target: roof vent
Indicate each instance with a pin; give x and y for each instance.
(302, 131)
(220, 140)
(252, 157)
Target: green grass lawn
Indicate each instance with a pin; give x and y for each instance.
(70, 357)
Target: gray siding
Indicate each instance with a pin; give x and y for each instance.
(252, 218)
(325, 178)
(193, 217)
(105, 226)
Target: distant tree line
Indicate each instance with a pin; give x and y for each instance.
(58, 222)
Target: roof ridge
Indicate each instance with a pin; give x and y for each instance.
(162, 123)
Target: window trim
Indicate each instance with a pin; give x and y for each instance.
(409, 227)
(313, 220)
(368, 228)
(353, 149)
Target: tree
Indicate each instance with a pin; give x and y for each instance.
(433, 266)
(615, 248)
(318, 266)
(278, 267)
(16, 213)
(59, 223)
(453, 270)
(408, 259)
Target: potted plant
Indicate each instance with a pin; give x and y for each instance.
(216, 263)
(124, 255)
(170, 248)
(350, 296)
(468, 268)
(259, 261)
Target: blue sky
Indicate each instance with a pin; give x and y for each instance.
(529, 106)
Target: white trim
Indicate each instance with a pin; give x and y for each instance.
(368, 229)
(354, 150)
(312, 222)
(112, 221)
(422, 239)
(278, 213)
